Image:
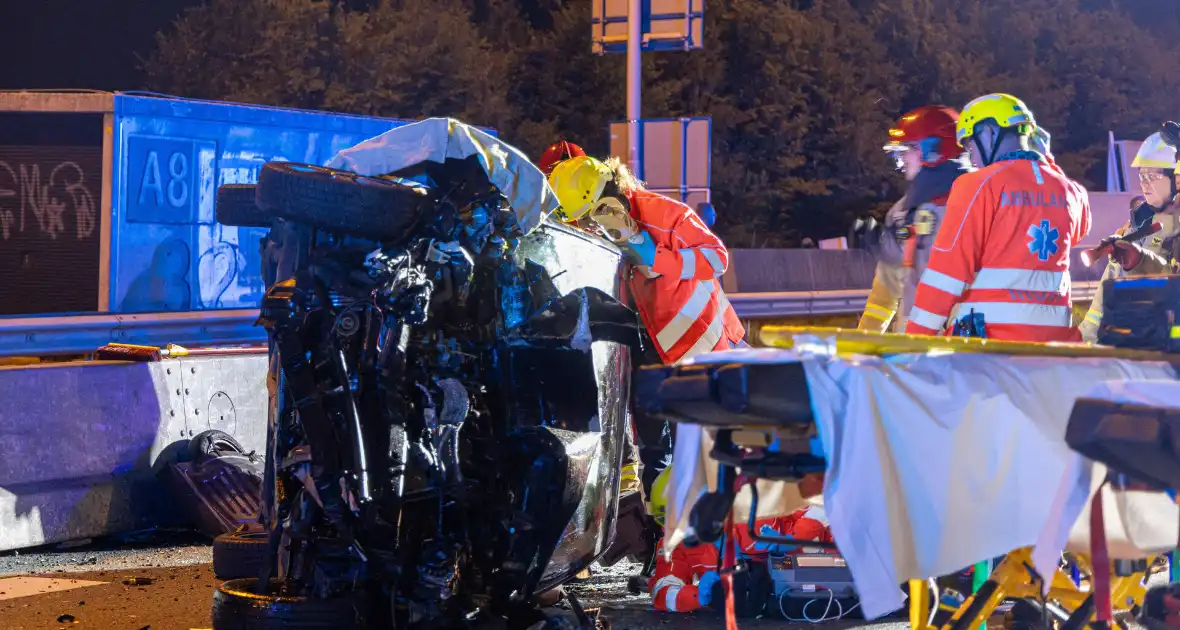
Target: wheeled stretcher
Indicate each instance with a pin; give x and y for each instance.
(936, 452)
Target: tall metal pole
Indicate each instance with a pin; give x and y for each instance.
(634, 76)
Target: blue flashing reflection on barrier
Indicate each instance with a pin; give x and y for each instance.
(167, 252)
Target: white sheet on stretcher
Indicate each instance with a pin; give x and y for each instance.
(934, 461)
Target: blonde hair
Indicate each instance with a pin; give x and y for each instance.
(624, 179)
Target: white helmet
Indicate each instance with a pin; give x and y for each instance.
(1155, 153)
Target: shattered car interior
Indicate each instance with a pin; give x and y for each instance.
(449, 391)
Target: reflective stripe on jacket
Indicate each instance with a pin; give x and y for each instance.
(684, 309)
(894, 284)
(1003, 251)
(673, 585)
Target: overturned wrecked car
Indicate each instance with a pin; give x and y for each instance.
(450, 379)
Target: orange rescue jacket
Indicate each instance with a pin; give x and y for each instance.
(806, 524)
(684, 309)
(1003, 251)
(673, 585)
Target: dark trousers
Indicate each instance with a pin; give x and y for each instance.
(649, 440)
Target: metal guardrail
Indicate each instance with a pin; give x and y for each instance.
(79, 334)
(803, 303)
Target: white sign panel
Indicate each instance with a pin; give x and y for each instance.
(667, 25)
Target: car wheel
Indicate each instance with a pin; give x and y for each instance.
(237, 206)
(341, 201)
(240, 555)
(236, 606)
(209, 443)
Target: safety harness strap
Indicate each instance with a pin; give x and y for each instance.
(1100, 558)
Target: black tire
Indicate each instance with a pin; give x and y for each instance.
(341, 201)
(208, 443)
(240, 555)
(237, 607)
(236, 205)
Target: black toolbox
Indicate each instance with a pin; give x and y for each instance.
(1141, 313)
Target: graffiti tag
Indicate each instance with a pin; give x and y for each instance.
(26, 191)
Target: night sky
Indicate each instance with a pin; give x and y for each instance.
(79, 43)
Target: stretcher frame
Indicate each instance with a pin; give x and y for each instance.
(1014, 577)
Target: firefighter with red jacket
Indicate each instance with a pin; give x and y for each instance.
(924, 148)
(999, 266)
(678, 260)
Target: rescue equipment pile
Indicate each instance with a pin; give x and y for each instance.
(933, 461)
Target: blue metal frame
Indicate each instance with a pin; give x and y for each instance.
(167, 253)
(696, 11)
(685, 121)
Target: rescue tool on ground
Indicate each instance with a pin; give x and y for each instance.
(923, 146)
(1002, 253)
(688, 579)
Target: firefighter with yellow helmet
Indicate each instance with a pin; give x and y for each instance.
(1152, 254)
(678, 290)
(677, 263)
(999, 266)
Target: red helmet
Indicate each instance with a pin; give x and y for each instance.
(558, 152)
(930, 129)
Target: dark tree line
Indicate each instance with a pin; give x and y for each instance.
(801, 92)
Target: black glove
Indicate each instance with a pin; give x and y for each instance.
(1127, 254)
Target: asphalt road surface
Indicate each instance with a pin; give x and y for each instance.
(165, 582)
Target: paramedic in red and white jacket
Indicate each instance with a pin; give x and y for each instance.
(1003, 248)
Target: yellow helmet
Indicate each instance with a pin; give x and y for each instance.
(1005, 110)
(578, 183)
(1155, 153)
(658, 504)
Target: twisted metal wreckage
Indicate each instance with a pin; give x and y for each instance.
(449, 387)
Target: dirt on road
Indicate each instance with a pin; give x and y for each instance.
(176, 598)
